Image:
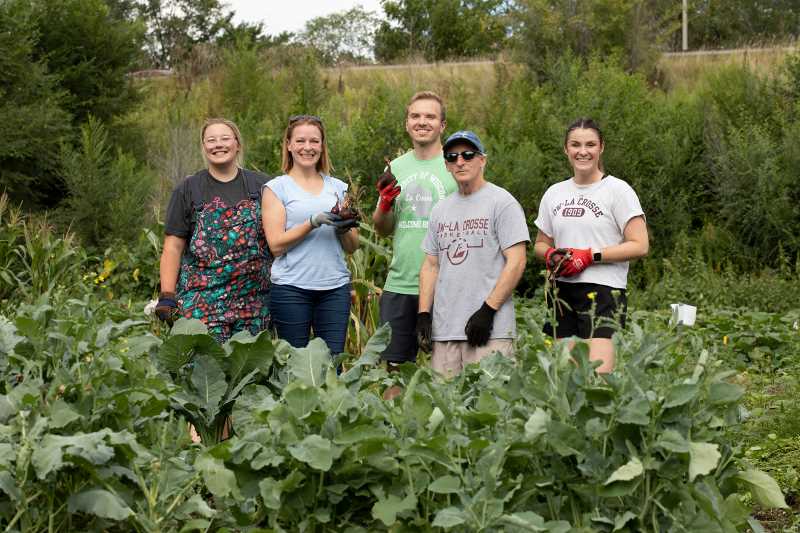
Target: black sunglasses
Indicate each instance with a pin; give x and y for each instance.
(298, 118)
(452, 157)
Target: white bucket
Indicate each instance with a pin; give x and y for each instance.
(683, 314)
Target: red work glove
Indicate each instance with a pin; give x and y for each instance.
(580, 259)
(388, 188)
(555, 259)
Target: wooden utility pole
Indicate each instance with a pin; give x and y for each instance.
(685, 25)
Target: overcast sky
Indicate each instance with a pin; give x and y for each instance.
(282, 15)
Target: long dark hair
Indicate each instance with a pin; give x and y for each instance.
(584, 123)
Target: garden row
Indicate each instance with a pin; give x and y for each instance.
(94, 433)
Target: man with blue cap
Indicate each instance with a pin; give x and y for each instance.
(475, 256)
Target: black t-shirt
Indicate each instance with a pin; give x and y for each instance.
(179, 211)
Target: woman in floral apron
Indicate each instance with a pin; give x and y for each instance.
(215, 263)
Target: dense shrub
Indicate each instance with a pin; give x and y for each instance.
(91, 50)
(31, 111)
(109, 191)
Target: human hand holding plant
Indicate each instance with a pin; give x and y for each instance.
(388, 189)
(554, 259)
(327, 218)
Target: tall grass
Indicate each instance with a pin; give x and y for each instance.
(684, 70)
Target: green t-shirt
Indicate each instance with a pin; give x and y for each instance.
(423, 184)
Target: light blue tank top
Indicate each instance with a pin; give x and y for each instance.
(317, 262)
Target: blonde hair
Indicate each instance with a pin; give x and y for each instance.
(236, 133)
(324, 165)
(428, 95)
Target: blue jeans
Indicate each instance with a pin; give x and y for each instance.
(295, 311)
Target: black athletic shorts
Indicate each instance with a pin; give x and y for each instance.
(400, 311)
(574, 309)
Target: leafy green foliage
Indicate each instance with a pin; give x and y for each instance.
(212, 376)
(695, 272)
(561, 440)
(63, 61)
(129, 268)
(736, 23)
(76, 411)
(90, 49)
(441, 29)
(636, 30)
(177, 27)
(344, 36)
(36, 260)
(31, 109)
(540, 444)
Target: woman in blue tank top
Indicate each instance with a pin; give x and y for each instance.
(310, 279)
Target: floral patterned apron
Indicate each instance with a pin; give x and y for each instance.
(224, 277)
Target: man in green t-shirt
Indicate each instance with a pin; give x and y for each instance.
(412, 184)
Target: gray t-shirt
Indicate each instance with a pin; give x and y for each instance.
(468, 235)
(590, 216)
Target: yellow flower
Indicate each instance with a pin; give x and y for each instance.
(136, 275)
(548, 342)
(725, 339)
(592, 295)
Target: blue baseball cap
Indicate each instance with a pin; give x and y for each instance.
(464, 136)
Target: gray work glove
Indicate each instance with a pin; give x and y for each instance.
(323, 217)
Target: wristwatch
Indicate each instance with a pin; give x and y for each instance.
(597, 257)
